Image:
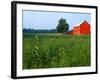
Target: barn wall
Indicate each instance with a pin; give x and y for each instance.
(76, 30)
(85, 28)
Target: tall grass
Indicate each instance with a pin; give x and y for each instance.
(50, 51)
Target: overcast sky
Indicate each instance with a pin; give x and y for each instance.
(49, 20)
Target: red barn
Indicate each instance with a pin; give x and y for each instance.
(82, 29)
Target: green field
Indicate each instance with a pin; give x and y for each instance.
(54, 51)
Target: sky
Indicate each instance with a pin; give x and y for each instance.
(49, 20)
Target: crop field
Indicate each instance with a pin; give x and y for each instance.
(55, 51)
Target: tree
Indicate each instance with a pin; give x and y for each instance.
(62, 26)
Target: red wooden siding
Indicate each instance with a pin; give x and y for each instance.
(85, 28)
(82, 29)
(76, 30)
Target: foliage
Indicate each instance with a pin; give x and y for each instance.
(39, 30)
(50, 51)
(62, 26)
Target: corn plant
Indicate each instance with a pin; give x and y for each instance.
(35, 53)
(61, 56)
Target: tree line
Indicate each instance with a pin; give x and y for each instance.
(61, 27)
(39, 31)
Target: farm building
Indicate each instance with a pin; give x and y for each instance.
(82, 29)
